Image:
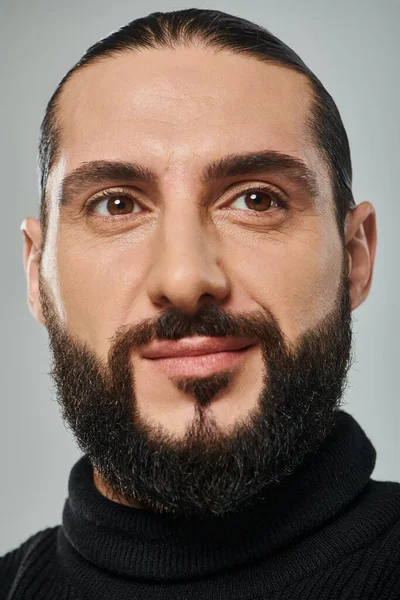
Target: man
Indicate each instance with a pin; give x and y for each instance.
(196, 263)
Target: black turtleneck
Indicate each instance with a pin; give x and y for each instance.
(328, 531)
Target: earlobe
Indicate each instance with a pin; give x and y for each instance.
(360, 240)
(31, 259)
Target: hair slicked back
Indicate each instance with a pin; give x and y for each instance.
(219, 31)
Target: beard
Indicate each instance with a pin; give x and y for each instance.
(208, 471)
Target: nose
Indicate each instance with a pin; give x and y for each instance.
(185, 267)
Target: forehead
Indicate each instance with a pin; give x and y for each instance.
(172, 109)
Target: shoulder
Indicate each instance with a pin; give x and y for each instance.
(26, 558)
(385, 511)
(387, 563)
(384, 564)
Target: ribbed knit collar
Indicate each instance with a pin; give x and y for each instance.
(141, 545)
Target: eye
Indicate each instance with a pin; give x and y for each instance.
(258, 200)
(114, 203)
(120, 203)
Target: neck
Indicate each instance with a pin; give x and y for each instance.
(106, 491)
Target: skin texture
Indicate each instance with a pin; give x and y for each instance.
(174, 111)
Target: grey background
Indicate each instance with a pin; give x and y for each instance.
(352, 46)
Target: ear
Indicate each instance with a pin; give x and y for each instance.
(31, 258)
(360, 241)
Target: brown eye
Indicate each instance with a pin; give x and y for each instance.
(116, 205)
(120, 205)
(256, 200)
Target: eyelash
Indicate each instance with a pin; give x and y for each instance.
(277, 197)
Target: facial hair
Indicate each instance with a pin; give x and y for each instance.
(206, 472)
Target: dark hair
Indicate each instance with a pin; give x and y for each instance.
(220, 31)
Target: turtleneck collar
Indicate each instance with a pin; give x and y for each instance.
(142, 545)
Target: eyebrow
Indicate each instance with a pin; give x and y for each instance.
(92, 173)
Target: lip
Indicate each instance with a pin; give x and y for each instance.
(197, 356)
(194, 346)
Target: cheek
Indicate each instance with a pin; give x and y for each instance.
(99, 285)
(296, 277)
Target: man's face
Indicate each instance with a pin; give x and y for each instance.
(188, 248)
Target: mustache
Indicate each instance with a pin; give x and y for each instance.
(175, 324)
